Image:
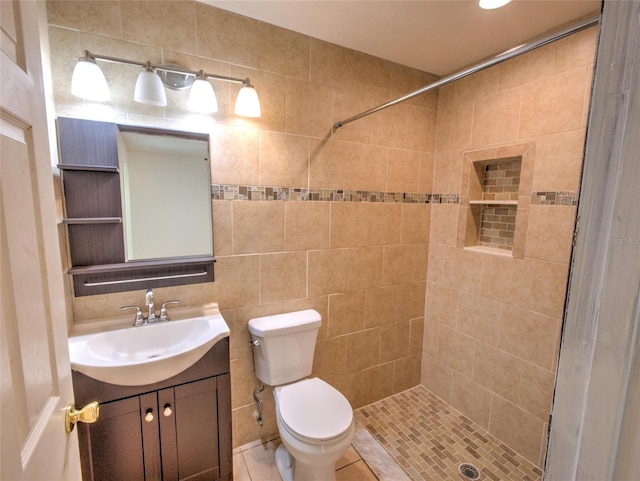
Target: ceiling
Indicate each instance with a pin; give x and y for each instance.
(436, 36)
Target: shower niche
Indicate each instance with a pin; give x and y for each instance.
(499, 195)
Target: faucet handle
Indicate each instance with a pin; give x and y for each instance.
(163, 310)
(139, 318)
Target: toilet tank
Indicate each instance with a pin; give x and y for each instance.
(283, 345)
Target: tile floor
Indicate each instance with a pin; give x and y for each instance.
(429, 440)
(410, 436)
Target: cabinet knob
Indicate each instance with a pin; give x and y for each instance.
(149, 416)
(167, 410)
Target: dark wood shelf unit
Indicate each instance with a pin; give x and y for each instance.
(90, 175)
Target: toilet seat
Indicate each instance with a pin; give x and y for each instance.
(314, 411)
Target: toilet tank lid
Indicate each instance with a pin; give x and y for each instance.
(287, 323)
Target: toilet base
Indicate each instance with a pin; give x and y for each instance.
(292, 470)
(284, 463)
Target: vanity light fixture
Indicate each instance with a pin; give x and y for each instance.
(88, 82)
(491, 4)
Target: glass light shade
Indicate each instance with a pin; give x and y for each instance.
(491, 4)
(88, 81)
(248, 103)
(149, 89)
(202, 98)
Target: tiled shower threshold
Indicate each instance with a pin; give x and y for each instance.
(429, 440)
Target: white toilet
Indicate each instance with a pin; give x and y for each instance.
(315, 421)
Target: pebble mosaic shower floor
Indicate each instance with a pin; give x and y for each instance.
(429, 440)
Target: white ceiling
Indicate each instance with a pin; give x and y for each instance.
(437, 36)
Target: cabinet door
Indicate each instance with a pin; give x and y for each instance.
(112, 447)
(196, 422)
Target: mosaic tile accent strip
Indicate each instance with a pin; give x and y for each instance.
(429, 440)
(568, 197)
(497, 225)
(501, 178)
(252, 192)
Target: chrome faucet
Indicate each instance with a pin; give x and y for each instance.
(148, 300)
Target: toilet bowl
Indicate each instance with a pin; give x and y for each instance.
(315, 421)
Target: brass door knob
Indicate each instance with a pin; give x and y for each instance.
(88, 414)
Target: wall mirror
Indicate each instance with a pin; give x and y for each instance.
(166, 194)
(137, 206)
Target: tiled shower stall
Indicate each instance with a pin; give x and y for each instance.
(377, 225)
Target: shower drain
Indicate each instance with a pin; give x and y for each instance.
(469, 471)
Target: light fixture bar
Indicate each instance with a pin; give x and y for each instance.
(184, 71)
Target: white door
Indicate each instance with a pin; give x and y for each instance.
(35, 377)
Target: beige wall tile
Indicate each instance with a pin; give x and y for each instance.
(453, 131)
(398, 264)
(328, 271)
(436, 377)
(365, 267)
(331, 65)
(369, 385)
(495, 118)
(161, 23)
(346, 313)
(420, 261)
(519, 429)
(456, 350)
(405, 80)
(442, 304)
(507, 280)
(425, 181)
(283, 51)
(526, 68)
(444, 224)
(548, 291)
(346, 104)
(553, 104)
(411, 300)
(380, 306)
(306, 225)
(226, 36)
(222, 215)
(416, 223)
(576, 50)
(64, 50)
(383, 222)
(529, 335)
(550, 232)
(403, 173)
(363, 349)
(406, 373)
(430, 338)
(435, 272)
(258, 226)
(373, 75)
(421, 129)
(389, 127)
(284, 159)
(283, 276)
(234, 155)
(347, 165)
(441, 172)
(462, 269)
(483, 83)
(308, 108)
(416, 335)
(103, 18)
(536, 391)
(498, 371)
(471, 399)
(237, 281)
(479, 318)
(559, 161)
(395, 341)
(243, 381)
(349, 224)
(330, 358)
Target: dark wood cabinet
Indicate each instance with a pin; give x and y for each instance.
(93, 216)
(176, 430)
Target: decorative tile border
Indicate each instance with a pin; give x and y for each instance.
(252, 192)
(567, 197)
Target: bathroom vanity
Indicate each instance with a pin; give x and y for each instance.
(175, 429)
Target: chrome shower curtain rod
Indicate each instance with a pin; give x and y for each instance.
(514, 52)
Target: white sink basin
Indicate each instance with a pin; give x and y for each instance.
(147, 354)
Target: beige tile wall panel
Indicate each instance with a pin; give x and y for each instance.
(283, 52)
(331, 65)
(103, 18)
